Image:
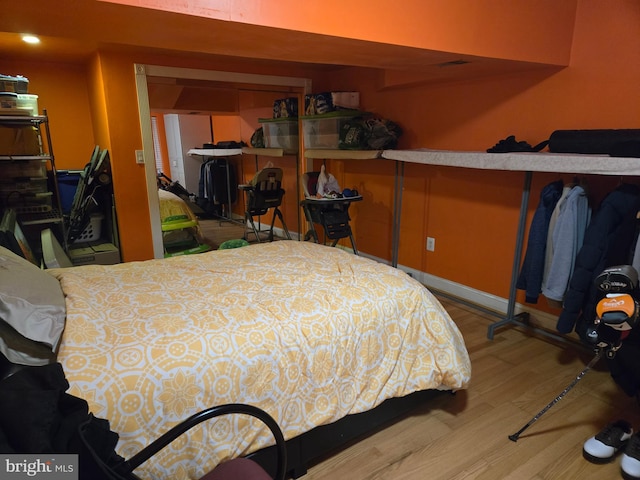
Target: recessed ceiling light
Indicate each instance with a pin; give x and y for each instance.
(32, 39)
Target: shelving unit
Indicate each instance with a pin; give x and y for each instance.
(342, 154)
(28, 178)
(524, 162)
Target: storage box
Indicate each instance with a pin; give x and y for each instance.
(68, 181)
(22, 188)
(98, 254)
(8, 100)
(17, 84)
(323, 131)
(280, 133)
(23, 140)
(325, 102)
(33, 169)
(28, 102)
(285, 107)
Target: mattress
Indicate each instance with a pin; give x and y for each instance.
(306, 332)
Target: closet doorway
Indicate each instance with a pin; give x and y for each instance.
(220, 85)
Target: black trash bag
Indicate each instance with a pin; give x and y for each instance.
(257, 139)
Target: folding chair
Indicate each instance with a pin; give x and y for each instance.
(265, 192)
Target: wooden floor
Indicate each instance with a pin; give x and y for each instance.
(216, 231)
(465, 436)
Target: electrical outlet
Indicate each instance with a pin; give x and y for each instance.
(431, 244)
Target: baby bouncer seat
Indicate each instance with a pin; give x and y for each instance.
(331, 212)
(180, 227)
(264, 193)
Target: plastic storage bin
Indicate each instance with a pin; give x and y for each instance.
(323, 131)
(17, 84)
(68, 181)
(28, 102)
(280, 133)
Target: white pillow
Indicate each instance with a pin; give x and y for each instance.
(32, 311)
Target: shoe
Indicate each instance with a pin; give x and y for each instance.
(603, 446)
(510, 144)
(630, 462)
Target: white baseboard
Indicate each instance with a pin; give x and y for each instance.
(473, 296)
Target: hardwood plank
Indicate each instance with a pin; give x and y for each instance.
(465, 436)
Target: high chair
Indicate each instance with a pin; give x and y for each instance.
(331, 213)
(265, 192)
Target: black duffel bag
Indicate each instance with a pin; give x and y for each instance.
(617, 143)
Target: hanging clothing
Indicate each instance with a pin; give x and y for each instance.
(214, 188)
(607, 242)
(548, 255)
(530, 278)
(635, 259)
(566, 239)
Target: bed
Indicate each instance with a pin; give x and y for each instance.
(314, 335)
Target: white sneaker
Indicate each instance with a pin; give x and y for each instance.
(630, 462)
(602, 447)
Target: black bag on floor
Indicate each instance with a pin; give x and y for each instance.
(37, 416)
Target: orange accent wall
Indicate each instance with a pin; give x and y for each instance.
(530, 31)
(471, 213)
(63, 91)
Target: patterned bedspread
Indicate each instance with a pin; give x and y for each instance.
(308, 333)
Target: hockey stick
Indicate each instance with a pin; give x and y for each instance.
(514, 437)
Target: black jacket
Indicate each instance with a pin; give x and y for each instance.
(608, 241)
(37, 416)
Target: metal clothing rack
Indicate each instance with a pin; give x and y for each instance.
(527, 163)
(220, 152)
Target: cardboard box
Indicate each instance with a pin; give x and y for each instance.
(95, 254)
(19, 140)
(285, 107)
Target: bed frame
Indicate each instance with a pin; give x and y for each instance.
(311, 447)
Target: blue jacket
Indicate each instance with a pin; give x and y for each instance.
(531, 273)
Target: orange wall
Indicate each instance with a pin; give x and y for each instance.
(63, 91)
(537, 31)
(471, 213)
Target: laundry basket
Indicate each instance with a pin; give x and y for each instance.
(93, 230)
